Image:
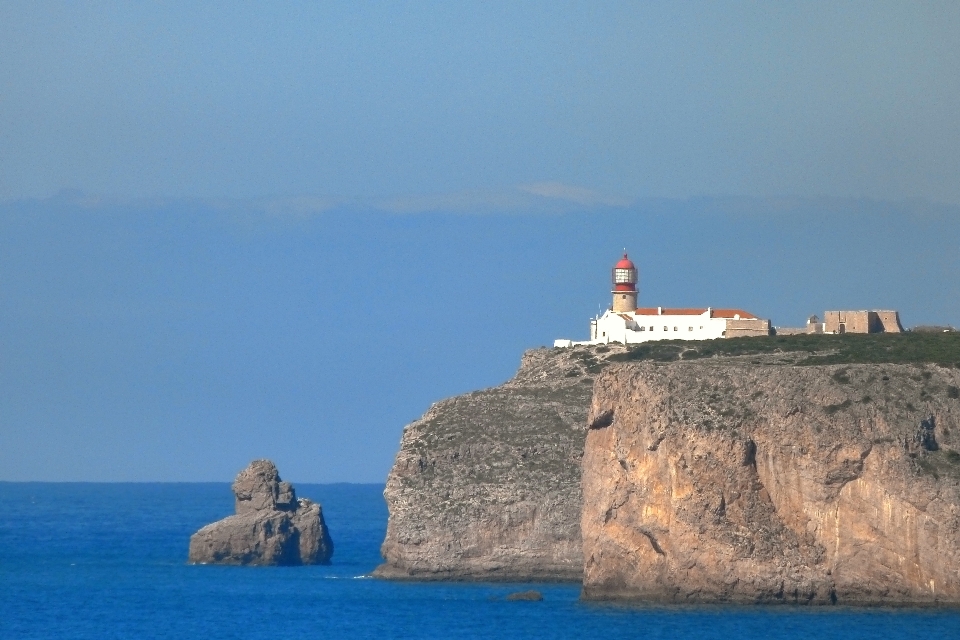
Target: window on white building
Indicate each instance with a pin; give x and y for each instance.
(651, 328)
(674, 328)
(666, 328)
(643, 328)
(689, 328)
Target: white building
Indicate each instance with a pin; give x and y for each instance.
(624, 322)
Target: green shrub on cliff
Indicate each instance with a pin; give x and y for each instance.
(904, 348)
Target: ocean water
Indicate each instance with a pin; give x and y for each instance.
(108, 561)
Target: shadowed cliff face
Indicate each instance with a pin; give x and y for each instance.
(713, 482)
(487, 485)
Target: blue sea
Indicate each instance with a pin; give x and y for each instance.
(109, 561)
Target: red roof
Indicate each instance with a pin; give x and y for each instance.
(714, 313)
(624, 263)
(729, 313)
(652, 311)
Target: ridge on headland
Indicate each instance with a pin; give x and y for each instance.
(811, 349)
(488, 485)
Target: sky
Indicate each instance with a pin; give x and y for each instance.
(371, 100)
(242, 230)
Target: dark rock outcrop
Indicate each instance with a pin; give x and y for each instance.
(486, 486)
(271, 527)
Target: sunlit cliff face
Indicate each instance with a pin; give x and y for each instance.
(774, 483)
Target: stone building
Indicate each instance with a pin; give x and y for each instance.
(861, 322)
(813, 326)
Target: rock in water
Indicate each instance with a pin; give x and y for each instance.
(718, 482)
(271, 527)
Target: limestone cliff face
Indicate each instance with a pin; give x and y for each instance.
(487, 485)
(721, 482)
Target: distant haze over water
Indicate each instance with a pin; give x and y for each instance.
(179, 340)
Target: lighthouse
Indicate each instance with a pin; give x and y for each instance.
(624, 278)
(626, 323)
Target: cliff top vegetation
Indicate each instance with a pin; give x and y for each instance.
(906, 348)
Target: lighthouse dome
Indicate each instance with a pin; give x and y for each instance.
(625, 263)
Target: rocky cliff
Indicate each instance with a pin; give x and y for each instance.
(487, 485)
(271, 526)
(726, 481)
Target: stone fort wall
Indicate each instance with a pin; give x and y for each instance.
(862, 322)
(747, 327)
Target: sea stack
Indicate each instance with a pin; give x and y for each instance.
(271, 526)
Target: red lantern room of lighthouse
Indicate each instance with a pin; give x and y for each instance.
(624, 286)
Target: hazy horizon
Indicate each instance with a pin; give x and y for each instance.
(180, 341)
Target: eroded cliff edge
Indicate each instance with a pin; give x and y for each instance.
(486, 485)
(718, 481)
